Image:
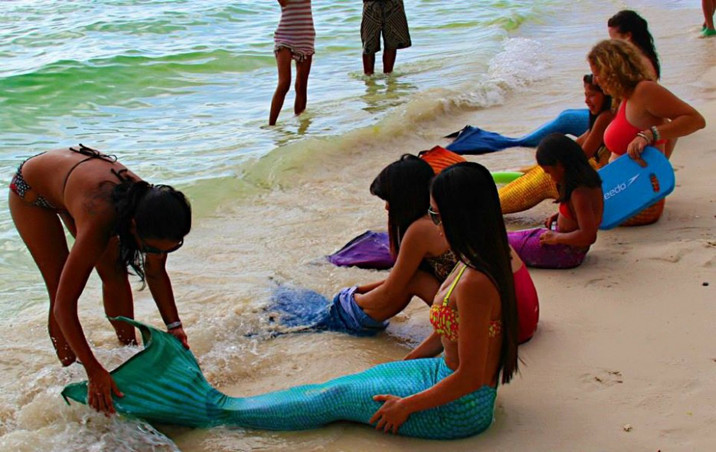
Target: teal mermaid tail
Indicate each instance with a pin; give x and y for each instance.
(163, 383)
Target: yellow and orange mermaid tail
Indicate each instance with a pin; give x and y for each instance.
(536, 186)
(527, 191)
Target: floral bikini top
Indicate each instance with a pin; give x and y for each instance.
(446, 320)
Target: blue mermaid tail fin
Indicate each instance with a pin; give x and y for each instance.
(569, 122)
(473, 140)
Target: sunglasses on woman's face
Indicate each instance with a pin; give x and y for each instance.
(152, 250)
(434, 216)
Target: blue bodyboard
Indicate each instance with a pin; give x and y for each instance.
(630, 188)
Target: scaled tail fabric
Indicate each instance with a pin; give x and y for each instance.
(534, 254)
(368, 250)
(163, 383)
(301, 309)
(473, 140)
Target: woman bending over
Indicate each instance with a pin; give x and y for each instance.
(117, 220)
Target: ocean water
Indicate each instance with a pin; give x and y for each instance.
(180, 92)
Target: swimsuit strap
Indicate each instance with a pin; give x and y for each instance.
(94, 153)
(452, 286)
(91, 154)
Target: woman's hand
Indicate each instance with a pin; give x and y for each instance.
(181, 335)
(635, 148)
(551, 219)
(100, 388)
(548, 238)
(391, 415)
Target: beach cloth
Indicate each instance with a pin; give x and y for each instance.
(473, 140)
(164, 384)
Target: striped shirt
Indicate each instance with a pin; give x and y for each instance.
(295, 30)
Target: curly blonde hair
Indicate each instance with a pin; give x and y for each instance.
(619, 66)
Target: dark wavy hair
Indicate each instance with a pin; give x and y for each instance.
(628, 21)
(559, 148)
(405, 186)
(158, 211)
(588, 79)
(469, 206)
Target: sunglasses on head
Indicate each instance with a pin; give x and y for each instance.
(434, 216)
(152, 250)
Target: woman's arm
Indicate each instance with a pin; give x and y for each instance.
(413, 249)
(161, 288)
(368, 287)
(658, 102)
(90, 244)
(583, 201)
(593, 139)
(430, 347)
(475, 295)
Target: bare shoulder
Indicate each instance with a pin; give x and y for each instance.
(476, 284)
(646, 89)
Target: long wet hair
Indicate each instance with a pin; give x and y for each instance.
(405, 186)
(158, 211)
(469, 206)
(618, 67)
(628, 21)
(588, 79)
(559, 148)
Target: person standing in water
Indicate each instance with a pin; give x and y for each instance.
(293, 40)
(386, 18)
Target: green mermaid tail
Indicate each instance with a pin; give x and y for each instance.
(163, 383)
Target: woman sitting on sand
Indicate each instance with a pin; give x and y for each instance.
(117, 220)
(423, 261)
(568, 234)
(648, 113)
(535, 186)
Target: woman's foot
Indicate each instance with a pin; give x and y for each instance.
(708, 32)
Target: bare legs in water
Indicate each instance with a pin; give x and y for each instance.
(388, 62)
(303, 69)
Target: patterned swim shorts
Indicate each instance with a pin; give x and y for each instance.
(388, 18)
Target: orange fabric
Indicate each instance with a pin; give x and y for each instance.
(440, 158)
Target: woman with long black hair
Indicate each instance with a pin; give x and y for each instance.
(118, 221)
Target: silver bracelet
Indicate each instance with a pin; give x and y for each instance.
(174, 325)
(643, 135)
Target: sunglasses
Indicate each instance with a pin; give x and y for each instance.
(152, 250)
(434, 216)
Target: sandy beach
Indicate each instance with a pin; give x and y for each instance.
(623, 358)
